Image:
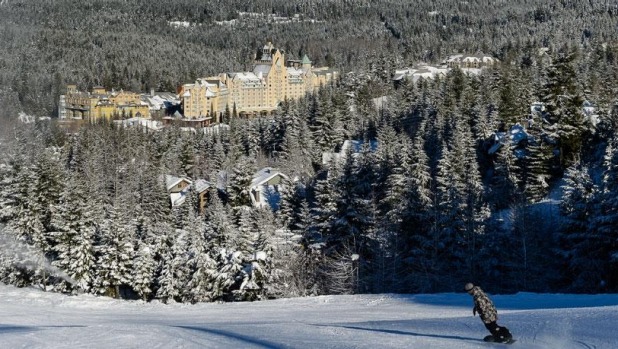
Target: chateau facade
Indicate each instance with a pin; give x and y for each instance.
(260, 91)
(102, 104)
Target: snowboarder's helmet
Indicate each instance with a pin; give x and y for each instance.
(469, 286)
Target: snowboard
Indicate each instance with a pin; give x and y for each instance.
(491, 339)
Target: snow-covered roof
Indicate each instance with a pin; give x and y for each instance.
(143, 122)
(516, 134)
(201, 185)
(247, 77)
(172, 181)
(357, 145)
(471, 58)
(294, 72)
(210, 93)
(264, 175)
(420, 71)
(154, 102)
(178, 199)
(215, 129)
(263, 69)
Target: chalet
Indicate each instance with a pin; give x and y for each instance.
(516, 138)
(201, 187)
(265, 188)
(179, 188)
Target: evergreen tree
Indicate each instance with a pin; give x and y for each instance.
(601, 241)
(240, 182)
(74, 236)
(144, 268)
(115, 253)
(577, 208)
(175, 272)
(563, 105)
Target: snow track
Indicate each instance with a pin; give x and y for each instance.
(34, 319)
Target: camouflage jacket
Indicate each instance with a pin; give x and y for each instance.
(483, 305)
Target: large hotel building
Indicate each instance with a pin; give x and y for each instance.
(260, 91)
(101, 104)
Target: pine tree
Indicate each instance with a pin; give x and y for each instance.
(175, 272)
(505, 185)
(418, 219)
(240, 182)
(577, 207)
(395, 209)
(9, 194)
(259, 273)
(29, 216)
(202, 269)
(537, 169)
(74, 236)
(601, 239)
(563, 104)
(144, 268)
(353, 226)
(115, 253)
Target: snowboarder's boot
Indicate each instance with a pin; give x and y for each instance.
(503, 336)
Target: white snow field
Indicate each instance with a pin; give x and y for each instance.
(30, 318)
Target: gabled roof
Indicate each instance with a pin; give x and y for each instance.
(201, 185)
(171, 181)
(264, 175)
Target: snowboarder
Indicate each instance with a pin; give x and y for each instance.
(488, 313)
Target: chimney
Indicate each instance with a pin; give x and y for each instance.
(152, 92)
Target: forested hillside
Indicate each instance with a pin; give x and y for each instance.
(436, 203)
(131, 45)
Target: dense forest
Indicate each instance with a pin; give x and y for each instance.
(437, 202)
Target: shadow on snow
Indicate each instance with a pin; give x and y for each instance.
(240, 337)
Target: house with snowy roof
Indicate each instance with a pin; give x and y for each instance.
(265, 188)
(516, 138)
(179, 188)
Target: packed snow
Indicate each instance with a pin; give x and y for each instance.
(31, 318)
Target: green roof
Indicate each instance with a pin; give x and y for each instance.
(306, 60)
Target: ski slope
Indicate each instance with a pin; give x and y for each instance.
(31, 318)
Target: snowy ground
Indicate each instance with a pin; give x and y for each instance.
(33, 319)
